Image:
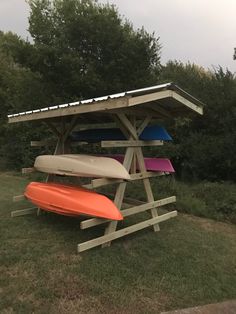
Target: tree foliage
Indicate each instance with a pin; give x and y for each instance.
(85, 49)
(80, 49)
(20, 89)
(205, 146)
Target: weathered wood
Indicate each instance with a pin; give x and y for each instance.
(59, 147)
(41, 143)
(147, 206)
(130, 143)
(121, 126)
(22, 212)
(126, 123)
(71, 126)
(128, 212)
(125, 231)
(27, 170)
(139, 111)
(95, 183)
(147, 184)
(149, 97)
(163, 112)
(104, 105)
(144, 124)
(109, 104)
(131, 201)
(18, 198)
(187, 103)
(133, 168)
(133, 121)
(120, 191)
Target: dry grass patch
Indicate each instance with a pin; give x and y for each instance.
(213, 226)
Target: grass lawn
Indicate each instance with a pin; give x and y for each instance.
(191, 261)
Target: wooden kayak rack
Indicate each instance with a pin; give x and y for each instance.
(126, 111)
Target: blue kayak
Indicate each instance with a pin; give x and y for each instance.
(154, 132)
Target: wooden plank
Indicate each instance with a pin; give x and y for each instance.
(147, 185)
(133, 168)
(144, 124)
(41, 143)
(149, 97)
(18, 198)
(130, 143)
(187, 103)
(88, 186)
(103, 182)
(123, 232)
(120, 191)
(27, 170)
(104, 105)
(147, 206)
(22, 212)
(128, 212)
(133, 177)
(129, 200)
(163, 112)
(139, 111)
(125, 121)
(59, 147)
(71, 126)
(133, 122)
(133, 201)
(120, 125)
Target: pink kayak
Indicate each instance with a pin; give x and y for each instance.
(152, 164)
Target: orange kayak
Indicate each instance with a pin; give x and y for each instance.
(71, 201)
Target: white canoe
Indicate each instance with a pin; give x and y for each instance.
(81, 166)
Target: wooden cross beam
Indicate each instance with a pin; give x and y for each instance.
(129, 157)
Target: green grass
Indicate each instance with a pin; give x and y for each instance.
(190, 261)
(205, 199)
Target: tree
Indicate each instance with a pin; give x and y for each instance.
(80, 49)
(84, 49)
(205, 146)
(20, 90)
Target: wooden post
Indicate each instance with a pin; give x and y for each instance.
(133, 136)
(120, 192)
(147, 184)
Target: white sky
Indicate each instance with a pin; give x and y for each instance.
(199, 31)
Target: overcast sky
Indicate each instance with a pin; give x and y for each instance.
(199, 31)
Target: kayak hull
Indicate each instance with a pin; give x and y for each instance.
(154, 132)
(81, 165)
(152, 164)
(71, 201)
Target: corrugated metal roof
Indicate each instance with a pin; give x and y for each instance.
(132, 93)
(87, 101)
